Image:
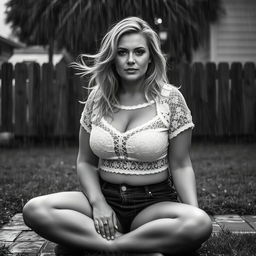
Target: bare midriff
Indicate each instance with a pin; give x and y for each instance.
(135, 180)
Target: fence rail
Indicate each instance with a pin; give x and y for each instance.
(44, 101)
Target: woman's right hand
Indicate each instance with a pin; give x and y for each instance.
(105, 220)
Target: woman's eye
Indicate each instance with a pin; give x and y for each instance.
(139, 52)
(121, 53)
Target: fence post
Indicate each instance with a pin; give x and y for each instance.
(224, 112)
(198, 97)
(249, 99)
(20, 75)
(210, 116)
(35, 100)
(48, 94)
(7, 97)
(74, 107)
(185, 80)
(236, 99)
(62, 100)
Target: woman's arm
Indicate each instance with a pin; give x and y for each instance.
(87, 170)
(181, 168)
(87, 165)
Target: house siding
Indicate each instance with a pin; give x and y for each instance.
(233, 38)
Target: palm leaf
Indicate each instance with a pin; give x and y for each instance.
(79, 25)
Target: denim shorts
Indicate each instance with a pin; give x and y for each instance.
(127, 200)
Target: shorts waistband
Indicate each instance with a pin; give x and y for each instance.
(149, 186)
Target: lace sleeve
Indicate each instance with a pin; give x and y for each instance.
(180, 115)
(86, 115)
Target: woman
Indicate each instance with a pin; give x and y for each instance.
(133, 156)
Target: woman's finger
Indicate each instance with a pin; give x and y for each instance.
(115, 221)
(111, 228)
(106, 224)
(96, 224)
(102, 228)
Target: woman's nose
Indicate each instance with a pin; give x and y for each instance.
(131, 59)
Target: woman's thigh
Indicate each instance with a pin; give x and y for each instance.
(173, 210)
(71, 200)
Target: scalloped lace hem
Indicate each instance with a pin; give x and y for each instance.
(132, 172)
(181, 129)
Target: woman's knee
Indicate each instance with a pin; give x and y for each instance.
(36, 211)
(196, 226)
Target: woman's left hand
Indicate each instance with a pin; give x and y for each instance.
(105, 220)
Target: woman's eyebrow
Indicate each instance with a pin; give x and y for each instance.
(124, 48)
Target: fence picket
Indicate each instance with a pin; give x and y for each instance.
(7, 98)
(236, 104)
(185, 80)
(210, 115)
(223, 104)
(74, 106)
(249, 99)
(20, 75)
(198, 97)
(62, 98)
(46, 103)
(34, 99)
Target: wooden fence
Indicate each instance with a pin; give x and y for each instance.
(44, 101)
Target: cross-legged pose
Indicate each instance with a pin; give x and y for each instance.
(138, 189)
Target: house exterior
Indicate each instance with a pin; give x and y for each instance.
(233, 37)
(39, 55)
(7, 47)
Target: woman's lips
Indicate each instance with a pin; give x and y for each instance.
(131, 70)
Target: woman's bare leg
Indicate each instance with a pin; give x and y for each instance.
(65, 218)
(166, 227)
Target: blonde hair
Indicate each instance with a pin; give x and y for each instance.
(104, 78)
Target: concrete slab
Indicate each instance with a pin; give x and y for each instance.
(228, 218)
(15, 226)
(48, 247)
(249, 218)
(216, 228)
(17, 217)
(26, 247)
(5, 243)
(9, 235)
(237, 227)
(253, 225)
(29, 236)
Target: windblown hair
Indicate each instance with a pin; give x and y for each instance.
(104, 78)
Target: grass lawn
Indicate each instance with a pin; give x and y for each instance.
(225, 175)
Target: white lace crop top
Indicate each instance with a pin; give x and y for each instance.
(141, 150)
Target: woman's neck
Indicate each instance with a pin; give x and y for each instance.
(131, 87)
(131, 93)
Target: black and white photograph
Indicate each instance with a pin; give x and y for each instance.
(127, 127)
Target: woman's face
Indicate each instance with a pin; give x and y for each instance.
(132, 57)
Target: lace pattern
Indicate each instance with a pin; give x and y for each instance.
(155, 125)
(133, 167)
(178, 115)
(115, 138)
(173, 117)
(88, 113)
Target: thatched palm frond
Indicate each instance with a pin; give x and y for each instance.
(79, 25)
